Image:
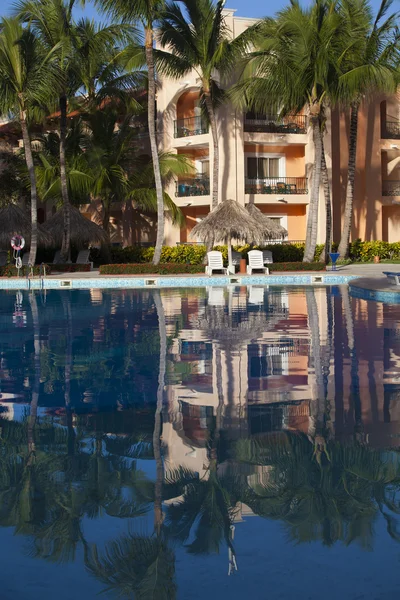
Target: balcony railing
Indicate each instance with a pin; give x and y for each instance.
(256, 123)
(190, 126)
(277, 185)
(198, 186)
(391, 130)
(390, 188)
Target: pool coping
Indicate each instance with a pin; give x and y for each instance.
(159, 281)
(377, 289)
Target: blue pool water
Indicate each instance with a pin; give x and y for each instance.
(199, 443)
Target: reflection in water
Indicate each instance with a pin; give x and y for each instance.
(182, 414)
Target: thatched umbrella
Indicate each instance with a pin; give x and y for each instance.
(15, 221)
(229, 220)
(272, 230)
(83, 231)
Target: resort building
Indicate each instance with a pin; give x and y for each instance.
(268, 161)
(262, 159)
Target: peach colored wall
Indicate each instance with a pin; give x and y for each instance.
(296, 215)
(185, 105)
(294, 156)
(190, 215)
(390, 223)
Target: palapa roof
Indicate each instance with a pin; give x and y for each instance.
(229, 220)
(16, 221)
(272, 230)
(83, 231)
(229, 331)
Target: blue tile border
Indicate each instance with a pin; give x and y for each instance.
(172, 282)
(375, 295)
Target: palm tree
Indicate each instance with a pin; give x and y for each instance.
(370, 65)
(333, 497)
(25, 73)
(119, 172)
(53, 23)
(198, 39)
(147, 13)
(294, 66)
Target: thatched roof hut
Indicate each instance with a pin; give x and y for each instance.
(16, 221)
(83, 231)
(229, 220)
(272, 230)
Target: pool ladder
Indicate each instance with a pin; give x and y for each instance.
(42, 275)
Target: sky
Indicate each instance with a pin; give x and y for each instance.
(245, 8)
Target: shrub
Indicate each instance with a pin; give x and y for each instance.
(297, 266)
(11, 271)
(150, 269)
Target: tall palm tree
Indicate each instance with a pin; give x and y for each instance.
(25, 76)
(52, 21)
(198, 39)
(294, 66)
(147, 13)
(370, 65)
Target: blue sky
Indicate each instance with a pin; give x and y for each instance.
(245, 8)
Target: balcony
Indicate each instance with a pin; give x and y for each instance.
(257, 123)
(190, 126)
(277, 185)
(199, 186)
(391, 130)
(391, 188)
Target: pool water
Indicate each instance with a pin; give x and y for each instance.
(199, 443)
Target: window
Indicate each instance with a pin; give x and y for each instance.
(262, 167)
(203, 167)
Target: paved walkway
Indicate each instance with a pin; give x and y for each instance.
(356, 269)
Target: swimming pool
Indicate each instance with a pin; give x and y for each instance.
(202, 442)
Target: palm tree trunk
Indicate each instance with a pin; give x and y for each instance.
(66, 243)
(158, 514)
(153, 144)
(351, 173)
(106, 216)
(312, 221)
(32, 178)
(36, 382)
(328, 208)
(214, 132)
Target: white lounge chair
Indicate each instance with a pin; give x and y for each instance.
(267, 257)
(83, 258)
(216, 296)
(256, 294)
(393, 277)
(256, 262)
(215, 263)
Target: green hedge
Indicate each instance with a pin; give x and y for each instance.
(11, 271)
(176, 268)
(194, 255)
(297, 266)
(150, 269)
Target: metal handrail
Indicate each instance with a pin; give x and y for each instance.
(277, 185)
(190, 126)
(196, 186)
(273, 123)
(390, 188)
(391, 130)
